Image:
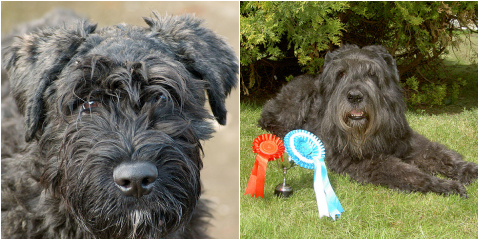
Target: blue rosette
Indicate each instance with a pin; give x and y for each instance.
(307, 151)
(304, 148)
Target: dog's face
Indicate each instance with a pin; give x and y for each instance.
(360, 87)
(119, 114)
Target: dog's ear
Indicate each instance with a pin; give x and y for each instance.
(34, 61)
(204, 54)
(389, 60)
(329, 57)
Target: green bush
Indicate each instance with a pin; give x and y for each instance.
(280, 39)
(270, 29)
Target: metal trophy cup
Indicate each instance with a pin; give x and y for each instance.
(283, 189)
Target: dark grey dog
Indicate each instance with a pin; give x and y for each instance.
(356, 108)
(113, 121)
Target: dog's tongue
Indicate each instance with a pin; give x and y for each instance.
(356, 113)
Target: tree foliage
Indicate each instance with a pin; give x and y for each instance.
(281, 39)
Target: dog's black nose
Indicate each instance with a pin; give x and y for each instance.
(355, 96)
(135, 179)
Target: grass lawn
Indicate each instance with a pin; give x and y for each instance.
(370, 211)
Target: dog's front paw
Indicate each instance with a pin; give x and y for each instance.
(469, 173)
(449, 187)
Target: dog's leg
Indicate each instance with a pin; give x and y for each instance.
(395, 173)
(434, 158)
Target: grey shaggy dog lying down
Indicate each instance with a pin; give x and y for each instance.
(356, 108)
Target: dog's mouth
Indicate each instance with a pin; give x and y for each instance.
(356, 114)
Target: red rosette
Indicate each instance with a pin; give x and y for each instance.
(268, 147)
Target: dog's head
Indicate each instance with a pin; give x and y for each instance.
(360, 87)
(119, 114)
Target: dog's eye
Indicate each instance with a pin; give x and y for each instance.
(159, 98)
(89, 105)
(340, 74)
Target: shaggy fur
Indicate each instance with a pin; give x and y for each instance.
(113, 120)
(356, 108)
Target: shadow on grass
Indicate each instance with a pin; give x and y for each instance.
(468, 97)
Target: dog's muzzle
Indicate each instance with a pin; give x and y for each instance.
(355, 97)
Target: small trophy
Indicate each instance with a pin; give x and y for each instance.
(283, 189)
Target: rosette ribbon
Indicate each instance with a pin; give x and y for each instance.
(268, 147)
(308, 152)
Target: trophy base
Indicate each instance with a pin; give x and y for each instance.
(283, 190)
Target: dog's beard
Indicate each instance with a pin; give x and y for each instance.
(93, 145)
(355, 123)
